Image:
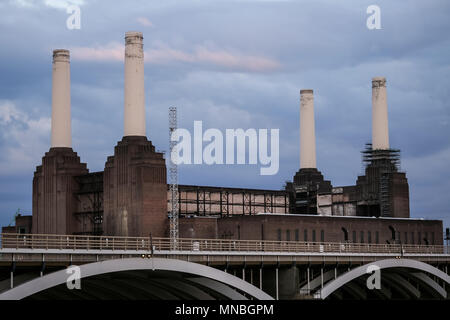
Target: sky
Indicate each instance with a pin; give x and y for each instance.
(233, 64)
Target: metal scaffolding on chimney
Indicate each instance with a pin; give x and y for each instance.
(387, 162)
(173, 180)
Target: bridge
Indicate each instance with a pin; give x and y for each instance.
(35, 266)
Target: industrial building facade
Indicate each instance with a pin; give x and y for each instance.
(131, 196)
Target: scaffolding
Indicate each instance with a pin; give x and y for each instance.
(173, 179)
(224, 201)
(388, 159)
(385, 162)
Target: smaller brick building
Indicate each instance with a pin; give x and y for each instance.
(313, 228)
(22, 225)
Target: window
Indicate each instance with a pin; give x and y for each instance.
(354, 236)
(419, 240)
(432, 238)
(426, 237)
(345, 234)
(305, 235)
(288, 235)
(393, 233)
(412, 237)
(377, 237)
(279, 235)
(314, 235)
(362, 237)
(322, 236)
(297, 236)
(369, 237)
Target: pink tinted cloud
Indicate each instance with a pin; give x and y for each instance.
(235, 61)
(112, 52)
(144, 22)
(163, 54)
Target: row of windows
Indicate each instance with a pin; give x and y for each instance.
(296, 235)
(369, 237)
(420, 240)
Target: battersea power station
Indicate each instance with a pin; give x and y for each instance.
(131, 196)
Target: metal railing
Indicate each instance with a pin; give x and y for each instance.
(84, 242)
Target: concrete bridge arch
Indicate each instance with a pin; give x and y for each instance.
(416, 269)
(199, 281)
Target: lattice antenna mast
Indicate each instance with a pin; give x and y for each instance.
(173, 179)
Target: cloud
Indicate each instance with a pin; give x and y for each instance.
(144, 22)
(56, 4)
(164, 54)
(23, 3)
(111, 52)
(63, 4)
(216, 57)
(227, 59)
(21, 137)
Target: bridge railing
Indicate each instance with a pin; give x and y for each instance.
(85, 242)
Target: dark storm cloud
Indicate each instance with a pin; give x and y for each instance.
(233, 64)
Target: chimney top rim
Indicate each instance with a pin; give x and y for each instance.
(60, 50)
(61, 55)
(378, 79)
(130, 34)
(303, 91)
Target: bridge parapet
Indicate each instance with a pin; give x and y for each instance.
(110, 243)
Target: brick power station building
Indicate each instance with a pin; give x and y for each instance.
(130, 197)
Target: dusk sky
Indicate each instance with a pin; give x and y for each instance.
(233, 64)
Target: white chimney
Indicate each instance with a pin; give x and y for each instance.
(307, 130)
(134, 112)
(61, 123)
(380, 129)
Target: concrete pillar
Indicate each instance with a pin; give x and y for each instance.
(380, 128)
(276, 284)
(321, 278)
(445, 273)
(12, 280)
(134, 109)
(307, 130)
(308, 285)
(288, 282)
(260, 279)
(61, 123)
